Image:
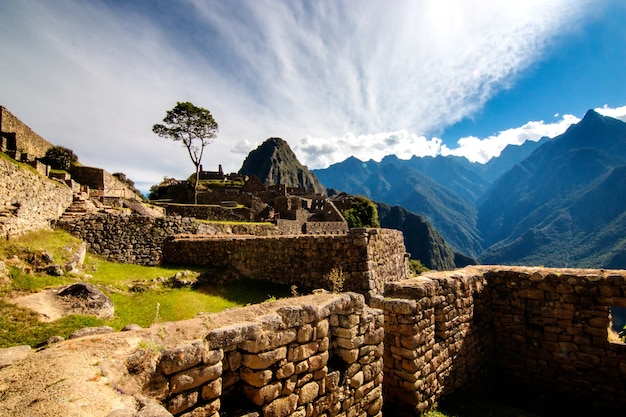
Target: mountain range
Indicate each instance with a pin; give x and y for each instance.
(556, 202)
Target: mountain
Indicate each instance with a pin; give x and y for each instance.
(397, 182)
(421, 240)
(273, 162)
(565, 204)
(510, 156)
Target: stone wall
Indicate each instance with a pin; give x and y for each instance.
(19, 137)
(128, 238)
(28, 200)
(318, 355)
(437, 338)
(102, 184)
(208, 212)
(363, 259)
(550, 329)
(531, 332)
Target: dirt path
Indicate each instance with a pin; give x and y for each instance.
(45, 303)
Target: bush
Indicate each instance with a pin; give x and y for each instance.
(362, 213)
(415, 265)
(61, 158)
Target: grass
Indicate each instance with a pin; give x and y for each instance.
(157, 304)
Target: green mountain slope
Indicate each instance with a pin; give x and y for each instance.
(565, 204)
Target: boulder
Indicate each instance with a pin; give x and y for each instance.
(87, 299)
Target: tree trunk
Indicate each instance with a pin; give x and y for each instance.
(195, 188)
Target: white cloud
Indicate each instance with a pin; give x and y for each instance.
(482, 150)
(321, 152)
(94, 76)
(616, 113)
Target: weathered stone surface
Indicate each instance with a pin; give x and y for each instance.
(264, 359)
(13, 354)
(281, 407)
(194, 377)
(34, 198)
(181, 358)
(308, 393)
(90, 331)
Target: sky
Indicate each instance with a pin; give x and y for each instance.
(334, 78)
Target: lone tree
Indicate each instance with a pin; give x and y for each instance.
(194, 127)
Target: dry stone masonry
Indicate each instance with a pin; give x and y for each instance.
(320, 355)
(363, 260)
(128, 238)
(28, 200)
(530, 331)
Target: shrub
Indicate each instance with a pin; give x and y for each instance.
(336, 280)
(59, 157)
(415, 265)
(362, 213)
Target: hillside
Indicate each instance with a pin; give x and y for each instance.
(422, 241)
(397, 182)
(564, 204)
(273, 162)
(553, 202)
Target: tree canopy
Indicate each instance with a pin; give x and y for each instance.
(194, 127)
(362, 213)
(59, 157)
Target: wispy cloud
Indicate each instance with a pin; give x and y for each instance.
(95, 76)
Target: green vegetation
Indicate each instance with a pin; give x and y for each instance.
(194, 127)
(137, 294)
(60, 158)
(362, 213)
(415, 265)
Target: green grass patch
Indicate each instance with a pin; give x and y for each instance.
(20, 326)
(27, 283)
(61, 245)
(155, 302)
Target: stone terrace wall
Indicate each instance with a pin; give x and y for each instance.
(128, 238)
(318, 355)
(534, 332)
(208, 212)
(367, 258)
(28, 201)
(550, 329)
(26, 141)
(437, 338)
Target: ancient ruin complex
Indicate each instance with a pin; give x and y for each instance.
(392, 345)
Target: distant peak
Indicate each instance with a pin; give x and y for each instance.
(592, 115)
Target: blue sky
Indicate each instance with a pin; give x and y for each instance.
(334, 78)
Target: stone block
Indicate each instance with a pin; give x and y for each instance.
(194, 377)
(270, 340)
(302, 352)
(281, 407)
(212, 390)
(256, 378)
(308, 393)
(264, 359)
(182, 402)
(263, 395)
(181, 358)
